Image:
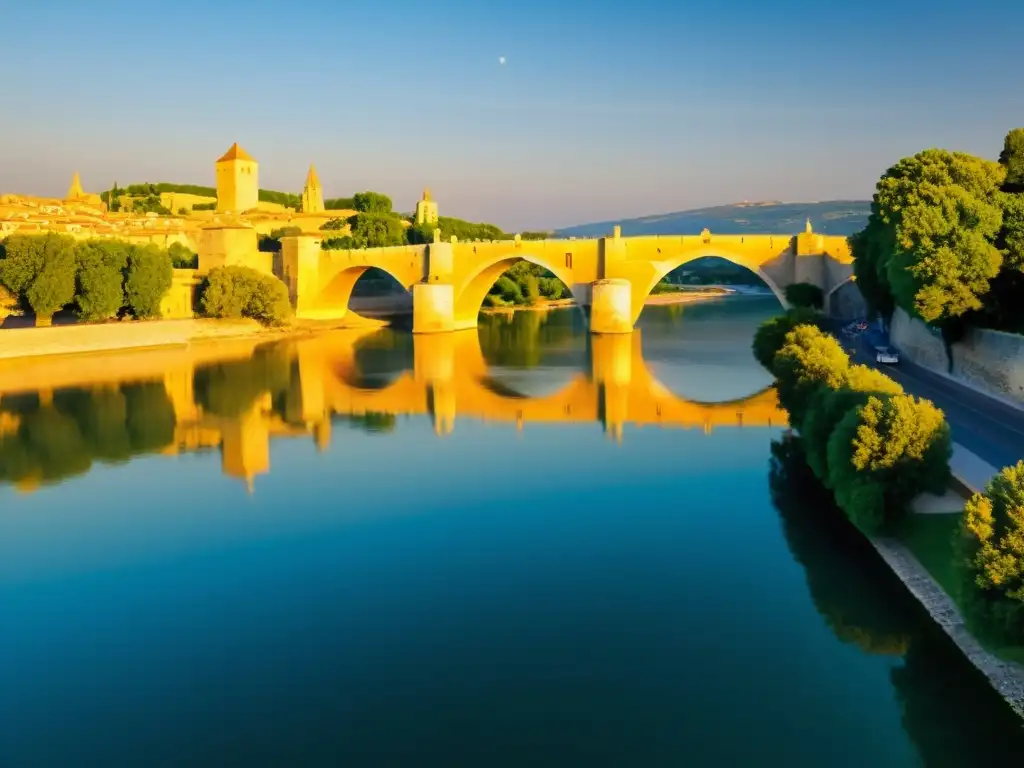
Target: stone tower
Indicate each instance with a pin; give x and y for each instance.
(238, 184)
(426, 209)
(312, 194)
(75, 191)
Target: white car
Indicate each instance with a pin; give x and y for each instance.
(886, 355)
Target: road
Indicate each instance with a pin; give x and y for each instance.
(988, 428)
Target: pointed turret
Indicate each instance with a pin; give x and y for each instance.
(312, 194)
(807, 227)
(75, 191)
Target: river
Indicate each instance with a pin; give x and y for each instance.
(526, 547)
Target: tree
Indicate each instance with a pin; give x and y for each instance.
(771, 334)
(147, 279)
(419, 234)
(1012, 158)
(991, 545)
(805, 295)
(826, 407)
(371, 202)
(271, 243)
(101, 265)
(883, 454)
(376, 230)
(232, 292)
(182, 256)
(41, 269)
(942, 211)
(871, 249)
(334, 225)
(808, 359)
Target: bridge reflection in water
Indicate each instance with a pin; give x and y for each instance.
(58, 416)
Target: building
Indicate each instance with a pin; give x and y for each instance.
(238, 185)
(426, 209)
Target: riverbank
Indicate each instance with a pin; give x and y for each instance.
(654, 300)
(1004, 675)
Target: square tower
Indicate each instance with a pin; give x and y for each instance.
(238, 183)
(426, 209)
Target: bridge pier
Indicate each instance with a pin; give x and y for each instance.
(611, 306)
(433, 307)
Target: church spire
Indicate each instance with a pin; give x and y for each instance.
(807, 227)
(313, 194)
(75, 191)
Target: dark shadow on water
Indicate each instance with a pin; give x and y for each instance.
(949, 711)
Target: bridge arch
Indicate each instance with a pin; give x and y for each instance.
(470, 293)
(335, 295)
(663, 267)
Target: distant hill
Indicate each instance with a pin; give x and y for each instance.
(834, 217)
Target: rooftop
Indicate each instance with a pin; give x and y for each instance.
(236, 153)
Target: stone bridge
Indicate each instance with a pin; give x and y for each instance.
(610, 277)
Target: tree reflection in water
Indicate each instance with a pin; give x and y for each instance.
(522, 339)
(949, 710)
(49, 436)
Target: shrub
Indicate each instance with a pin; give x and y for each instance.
(805, 295)
(334, 224)
(883, 454)
(991, 544)
(101, 266)
(147, 280)
(808, 359)
(771, 334)
(245, 292)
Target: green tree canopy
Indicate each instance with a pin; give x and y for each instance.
(147, 279)
(40, 268)
(808, 359)
(771, 334)
(376, 230)
(883, 454)
(992, 547)
(101, 266)
(371, 202)
(1012, 158)
(942, 210)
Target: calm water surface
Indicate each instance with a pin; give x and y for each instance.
(529, 549)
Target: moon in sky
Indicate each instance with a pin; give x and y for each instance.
(501, 60)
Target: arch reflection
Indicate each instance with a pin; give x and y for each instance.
(59, 418)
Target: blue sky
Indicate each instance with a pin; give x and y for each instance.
(603, 110)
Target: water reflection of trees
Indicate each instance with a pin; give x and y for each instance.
(521, 339)
(847, 584)
(949, 711)
(231, 388)
(50, 437)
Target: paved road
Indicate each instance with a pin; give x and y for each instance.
(986, 427)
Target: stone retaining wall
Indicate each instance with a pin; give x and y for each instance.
(990, 361)
(1005, 676)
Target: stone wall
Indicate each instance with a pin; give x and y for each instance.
(990, 361)
(918, 343)
(846, 302)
